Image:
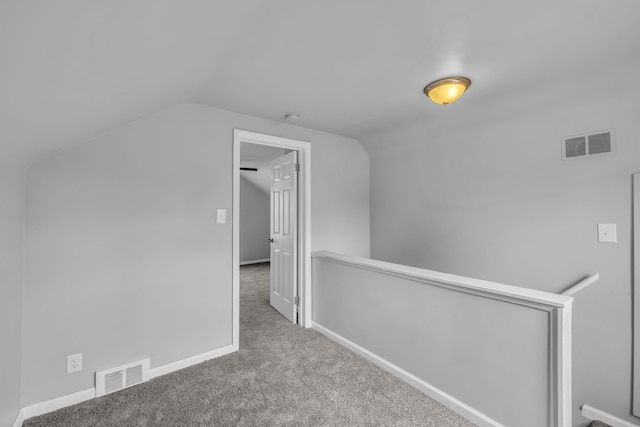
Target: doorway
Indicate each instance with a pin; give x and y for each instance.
(303, 240)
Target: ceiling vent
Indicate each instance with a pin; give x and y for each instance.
(121, 377)
(588, 145)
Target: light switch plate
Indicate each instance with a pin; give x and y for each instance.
(607, 233)
(221, 216)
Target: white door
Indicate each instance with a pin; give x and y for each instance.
(284, 232)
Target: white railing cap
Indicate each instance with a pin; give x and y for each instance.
(452, 281)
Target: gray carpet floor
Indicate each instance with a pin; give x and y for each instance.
(283, 375)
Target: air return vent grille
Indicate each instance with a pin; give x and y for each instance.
(588, 145)
(113, 381)
(124, 376)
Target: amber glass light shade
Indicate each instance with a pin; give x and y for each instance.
(445, 91)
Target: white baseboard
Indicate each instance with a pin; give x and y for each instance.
(596, 414)
(19, 419)
(431, 391)
(194, 360)
(257, 261)
(42, 408)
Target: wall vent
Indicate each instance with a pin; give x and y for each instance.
(124, 376)
(588, 145)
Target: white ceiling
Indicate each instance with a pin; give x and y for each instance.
(70, 70)
(258, 157)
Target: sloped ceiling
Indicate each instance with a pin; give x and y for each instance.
(72, 69)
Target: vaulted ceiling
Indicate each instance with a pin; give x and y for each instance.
(72, 69)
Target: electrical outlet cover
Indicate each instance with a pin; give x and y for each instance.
(74, 363)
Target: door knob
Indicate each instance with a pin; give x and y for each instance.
(270, 240)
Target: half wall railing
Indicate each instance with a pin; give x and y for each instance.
(497, 354)
(581, 285)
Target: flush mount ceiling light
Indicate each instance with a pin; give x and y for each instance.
(447, 90)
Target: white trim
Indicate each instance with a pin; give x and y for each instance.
(635, 315)
(304, 221)
(235, 243)
(581, 285)
(561, 371)
(190, 361)
(517, 295)
(596, 414)
(42, 408)
(256, 261)
(558, 307)
(433, 392)
(19, 419)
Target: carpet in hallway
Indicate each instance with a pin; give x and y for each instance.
(283, 375)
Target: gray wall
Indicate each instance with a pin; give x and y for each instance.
(454, 341)
(123, 255)
(11, 188)
(484, 194)
(254, 222)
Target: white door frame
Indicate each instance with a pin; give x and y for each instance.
(635, 407)
(304, 222)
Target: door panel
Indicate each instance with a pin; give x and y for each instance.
(284, 216)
